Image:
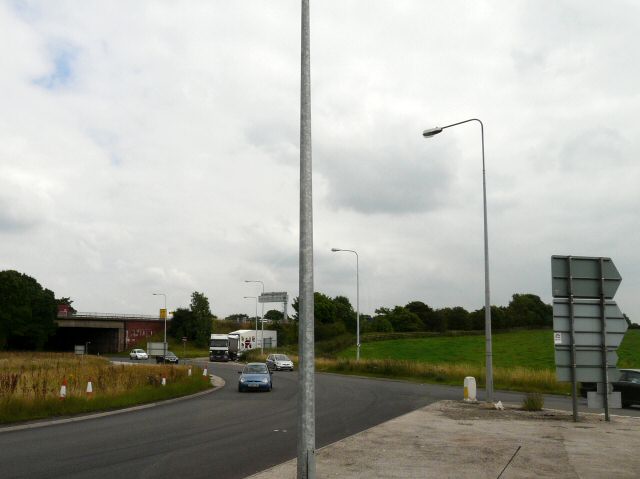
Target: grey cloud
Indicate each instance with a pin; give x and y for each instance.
(386, 180)
(595, 148)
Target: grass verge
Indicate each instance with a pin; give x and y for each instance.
(30, 385)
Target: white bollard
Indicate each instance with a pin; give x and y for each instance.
(470, 389)
(164, 381)
(189, 371)
(204, 373)
(63, 389)
(89, 389)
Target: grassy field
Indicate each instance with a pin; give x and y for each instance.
(531, 349)
(30, 384)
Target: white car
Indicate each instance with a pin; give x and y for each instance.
(138, 354)
(279, 362)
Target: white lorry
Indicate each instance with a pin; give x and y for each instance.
(219, 348)
(245, 340)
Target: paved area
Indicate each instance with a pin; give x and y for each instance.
(452, 439)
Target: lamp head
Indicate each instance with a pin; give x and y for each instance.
(335, 249)
(431, 132)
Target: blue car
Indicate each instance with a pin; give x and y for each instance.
(255, 377)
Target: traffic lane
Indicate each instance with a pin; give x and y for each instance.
(231, 433)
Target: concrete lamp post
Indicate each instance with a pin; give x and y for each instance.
(487, 301)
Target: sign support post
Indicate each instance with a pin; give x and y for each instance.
(605, 366)
(572, 319)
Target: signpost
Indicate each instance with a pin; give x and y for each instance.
(276, 297)
(588, 325)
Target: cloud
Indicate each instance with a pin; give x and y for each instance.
(158, 150)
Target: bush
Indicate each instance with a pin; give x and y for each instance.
(533, 402)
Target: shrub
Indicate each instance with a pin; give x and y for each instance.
(533, 402)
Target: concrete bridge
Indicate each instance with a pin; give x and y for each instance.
(105, 332)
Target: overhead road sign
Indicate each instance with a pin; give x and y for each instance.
(588, 317)
(588, 326)
(279, 297)
(585, 277)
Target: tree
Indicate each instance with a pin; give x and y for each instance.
(430, 320)
(28, 312)
(274, 315)
(194, 323)
(182, 324)
(380, 324)
(400, 318)
(239, 317)
(344, 313)
(457, 318)
(66, 302)
(201, 318)
(528, 310)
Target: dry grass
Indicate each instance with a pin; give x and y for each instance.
(517, 379)
(36, 376)
(513, 378)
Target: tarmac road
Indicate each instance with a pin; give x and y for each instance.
(221, 434)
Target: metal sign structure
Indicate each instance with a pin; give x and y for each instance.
(276, 297)
(588, 326)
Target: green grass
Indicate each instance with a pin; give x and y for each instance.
(16, 410)
(529, 349)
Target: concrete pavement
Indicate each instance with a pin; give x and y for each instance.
(453, 439)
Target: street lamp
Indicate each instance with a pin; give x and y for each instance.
(335, 250)
(256, 298)
(487, 302)
(262, 317)
(165, 323)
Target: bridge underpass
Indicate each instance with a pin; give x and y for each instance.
(106, 333)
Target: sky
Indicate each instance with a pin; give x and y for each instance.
(153, 146)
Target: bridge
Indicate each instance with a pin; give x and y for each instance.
(104, 332)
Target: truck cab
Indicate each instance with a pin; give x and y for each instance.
(219, 347)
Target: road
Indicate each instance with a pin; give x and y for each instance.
(222, 434)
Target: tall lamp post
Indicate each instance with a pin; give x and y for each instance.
(256, 298)
(165, 324)
(335, 250)
(487, 302)
(262, 315)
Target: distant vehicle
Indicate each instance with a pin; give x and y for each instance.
(245, 339)
(279, 362)
(219, 347)
(628, 385)
(155, 349)
(255, 377)
(138, 354)
(169, 358)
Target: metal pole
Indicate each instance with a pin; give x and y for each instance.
(335, 250)
(487, 299)
(262, 322)
(605, 365)
(306, 468)
(574, 383)
(357, 308)
(256, 298)
(262, 316)
(165, 323)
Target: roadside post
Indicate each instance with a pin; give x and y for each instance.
(588, 327)
(184, 346)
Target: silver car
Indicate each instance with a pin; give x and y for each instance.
(279, 362)
(138, 354)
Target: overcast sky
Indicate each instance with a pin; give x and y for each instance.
(154, 147)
